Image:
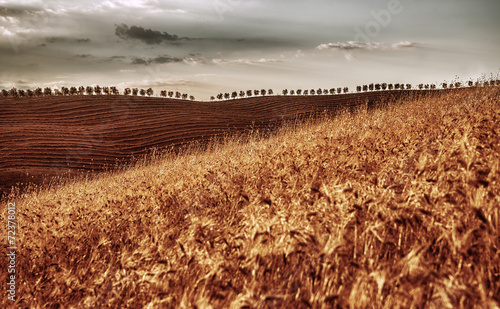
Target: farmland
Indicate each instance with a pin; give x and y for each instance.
(390, 204)
(44, 137)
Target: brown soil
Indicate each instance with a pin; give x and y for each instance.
(52, 136)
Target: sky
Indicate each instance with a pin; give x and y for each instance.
(205, 47)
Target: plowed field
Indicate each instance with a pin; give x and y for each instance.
(51, 136)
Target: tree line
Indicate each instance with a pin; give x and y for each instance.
(97, 90)
(340, 90)
(89, 90)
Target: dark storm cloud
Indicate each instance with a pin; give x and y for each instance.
(84, 56)
(114, 58)
(166, 59)
(16, 11)
(147, 36)
(11, 11)
(157, 60)
(140, 61)
(61, 39)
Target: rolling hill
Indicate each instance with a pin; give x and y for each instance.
(43, 137)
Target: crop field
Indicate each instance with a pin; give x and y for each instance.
(390, 204)
(51, 136)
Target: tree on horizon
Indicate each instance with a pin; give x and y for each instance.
(12, 92)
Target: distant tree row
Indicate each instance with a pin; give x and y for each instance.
(241, 94)
(263, 92)
(472, 84)
(177, 94)
(319, 91)
(332, 91)
(89, 90)
(97, 90)
(383, 86)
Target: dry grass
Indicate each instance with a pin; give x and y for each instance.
(391, 208)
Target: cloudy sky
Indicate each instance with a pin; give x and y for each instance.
(204, 47)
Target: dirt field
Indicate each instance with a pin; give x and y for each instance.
(390, 207)
(53, 136)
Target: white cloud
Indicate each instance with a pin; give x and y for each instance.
(194, 61)
(12, 26)
(155, 83)
(145, 6)
(53, 84)
(245, 61)
(136, 4)
(354, 45)
(404, 44)
(350, 45)
(299, 54)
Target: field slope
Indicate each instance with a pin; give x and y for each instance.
(50, 136)
(396, 207)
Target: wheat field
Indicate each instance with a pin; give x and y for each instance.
(393, 207)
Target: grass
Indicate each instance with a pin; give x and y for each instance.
(396, 207)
